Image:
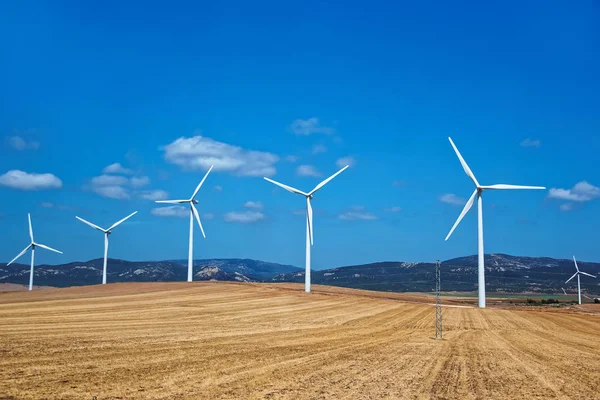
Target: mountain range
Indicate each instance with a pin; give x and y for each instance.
(504, 273)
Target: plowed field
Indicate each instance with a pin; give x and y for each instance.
(219, 340)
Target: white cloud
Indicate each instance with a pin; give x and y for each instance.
(171, 211)
(47, 204)
(531, 142)
(398, 183)
(218, 188)
(292, 159)
(199, 153)
(140, 181)
(566, 207)
(177, 212)
(17, 142)
(309, 126)
(110, 186)
(581, 192)
(118, 187)
(154, 195)
(244, 217)
(109, 180)
(452, 199)
(319, 148)
(342, 162)
(116, 168)
(112, 192)
(393, 209)
(256, 205)
(357, 213)
(307, 170)
(25, 181)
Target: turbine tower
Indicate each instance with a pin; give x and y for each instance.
(479, 189)
(193, 213)
(309, 218)
(106, 233)
(32, 246)
(577, 274)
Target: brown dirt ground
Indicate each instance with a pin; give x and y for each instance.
(15, 287)
(218, 340)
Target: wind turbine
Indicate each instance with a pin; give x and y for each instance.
(578, 280)
(193, 213)
(32, 246)
(106, 233)
(309, 218)
(478, 192)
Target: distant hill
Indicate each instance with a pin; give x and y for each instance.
(504, 273)
(90, 272)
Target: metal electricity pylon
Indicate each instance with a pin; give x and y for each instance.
(438, 304)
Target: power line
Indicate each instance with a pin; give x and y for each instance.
(438, 304)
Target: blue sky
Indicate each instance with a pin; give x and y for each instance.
(290, 90)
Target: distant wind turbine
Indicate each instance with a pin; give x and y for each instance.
(309, 218)
(193, 213)
(106, 233)
(478, 192)
(563, 289)
(577, 274)
(32, 246)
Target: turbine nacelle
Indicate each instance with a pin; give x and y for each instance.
(478, 192)
(479, 189)
(191, 201)
(32, 245)
(309, 197)
(579, 272)
(193, 214)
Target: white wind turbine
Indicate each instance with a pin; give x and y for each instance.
(32, 246)
(193, 212)
(106, 233)
(309, 218)
(578, 280)
(478, 192)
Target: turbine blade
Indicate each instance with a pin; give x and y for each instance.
(30, 228)
(198, 219)
(43, 246)
(90, 224)
(464, 163)
(574, 275)
(201, 182)
(172, 201)
(463, 213)
(286, 187)
(502, 186)
(576, 266)
(585, 273)
(320, 185)
(121, 221)
(20, 254)
(309, 215)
